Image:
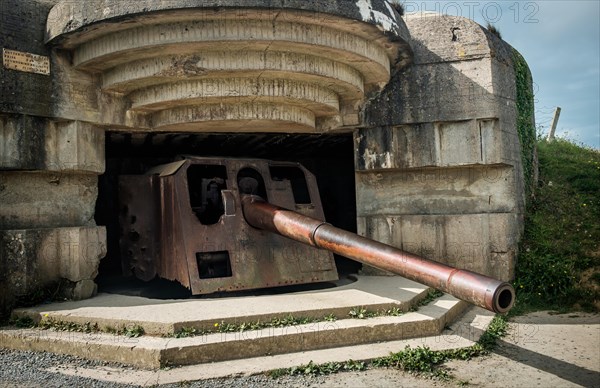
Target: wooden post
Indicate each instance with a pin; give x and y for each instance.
(554, 123)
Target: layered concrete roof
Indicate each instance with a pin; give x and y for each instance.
(268, 66)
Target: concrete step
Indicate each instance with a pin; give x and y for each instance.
(161, 319)
(462, 333)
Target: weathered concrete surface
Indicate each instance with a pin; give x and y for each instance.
(483, 142)
(460, 334)
(48, 191)
(157, 316)
(478, 242)
(47, 200)
(33, 143)
(540, 349)
(439, 161)
(36, 258)
(46, 254)
(264, 66)
(460, 75)
(68, 17)
(48, 166)
(22, 28)
(473, 190)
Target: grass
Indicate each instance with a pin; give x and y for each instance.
(424, 361)
(22, 322)
(51, 324)
(420, 360)
(558, 266)
(431, 296)
(132, 331)
(358, 312)
(494, 30)
(312, 369)
(362, 313)
(225, 327)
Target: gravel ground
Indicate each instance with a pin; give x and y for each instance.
(29, 369)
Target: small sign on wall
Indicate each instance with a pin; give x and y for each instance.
(29, 63)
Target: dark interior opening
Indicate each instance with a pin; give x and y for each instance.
(505, 299)
(329, 157)
(212, 265)
(256, 185)
(297, 179)
(205, 183)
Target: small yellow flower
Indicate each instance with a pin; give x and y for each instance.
(216, 325)
(46, 315)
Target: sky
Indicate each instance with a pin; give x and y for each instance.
(560, 40)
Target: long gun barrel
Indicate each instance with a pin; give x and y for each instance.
(480, 290)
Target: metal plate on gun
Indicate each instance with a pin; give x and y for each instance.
(26, 62)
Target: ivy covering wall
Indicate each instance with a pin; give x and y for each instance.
(525, 120)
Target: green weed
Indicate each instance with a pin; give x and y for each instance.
(133, 331)
(320, 369)
(419, 360)
(329, 318)
(51, 324)
(561, 231)
(276, 322)
(22, 322)
(185, 332)
(431, 296)
(361, 313)
(46, 323)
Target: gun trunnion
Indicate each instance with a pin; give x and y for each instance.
(191, 222)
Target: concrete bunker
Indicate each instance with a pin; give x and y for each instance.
(402, 122)
(244, 74)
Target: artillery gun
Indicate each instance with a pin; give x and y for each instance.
(215, 224)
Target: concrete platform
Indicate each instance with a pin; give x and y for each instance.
(161, 318)
(462, 333)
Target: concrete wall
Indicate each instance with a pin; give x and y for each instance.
(22, 28)
(49, 171)
(48, 189)
(439, 162)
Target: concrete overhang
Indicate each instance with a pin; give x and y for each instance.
(232, 65)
